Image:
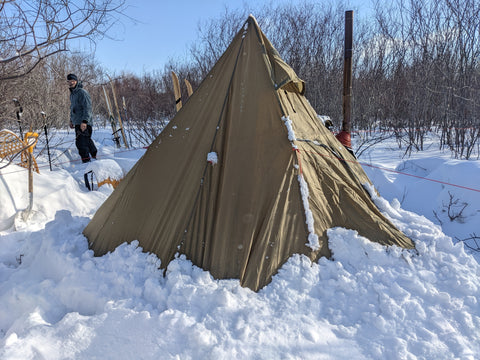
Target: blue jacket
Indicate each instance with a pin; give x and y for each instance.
(80, 105)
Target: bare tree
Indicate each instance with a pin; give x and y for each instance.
(32, 31)
(422, 73)
(214, 37)
(149, 104)
(416, 65)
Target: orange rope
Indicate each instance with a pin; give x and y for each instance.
(112, 182)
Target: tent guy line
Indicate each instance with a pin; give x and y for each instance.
(300, 169)
(396, 171)
(420, 177)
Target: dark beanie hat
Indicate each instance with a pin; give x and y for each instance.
(72, 77)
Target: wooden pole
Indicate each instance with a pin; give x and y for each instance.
(177, 92)
(116, 138)
(30, 183)
(189, 87)
(347, 72)
(30, 139)
(119, 117)
(118, 113)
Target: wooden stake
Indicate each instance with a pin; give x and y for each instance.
(189, 88)
(176, 91)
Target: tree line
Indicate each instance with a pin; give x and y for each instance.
(415, 71)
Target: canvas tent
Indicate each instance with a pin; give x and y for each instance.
(244, 176)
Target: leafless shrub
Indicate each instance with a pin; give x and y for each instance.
(453, 209)
(415, 66)
(472, 242)
(34, 31)
(367, 139)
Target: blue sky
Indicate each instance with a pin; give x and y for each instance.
(165, 29)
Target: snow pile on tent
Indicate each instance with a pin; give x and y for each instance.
(105, 169)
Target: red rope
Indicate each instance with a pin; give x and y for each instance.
(421, 177)
(398, 172)
(297, 152)
(392, 131)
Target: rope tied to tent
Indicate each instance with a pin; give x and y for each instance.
(299, 160)
(335, 155)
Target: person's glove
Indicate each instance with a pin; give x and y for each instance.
(71, 125)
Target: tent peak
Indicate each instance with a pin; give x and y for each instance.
(252, 20)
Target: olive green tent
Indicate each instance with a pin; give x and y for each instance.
(244, 176)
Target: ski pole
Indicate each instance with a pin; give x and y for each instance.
(19, 115)
(44, 116)
(126, 119)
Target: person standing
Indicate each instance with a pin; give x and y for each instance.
(81, 118)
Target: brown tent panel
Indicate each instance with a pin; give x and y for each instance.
(222, 182)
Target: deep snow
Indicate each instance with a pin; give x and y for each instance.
(367, 302)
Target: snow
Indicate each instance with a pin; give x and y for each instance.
(312, 237)
(105, 169)
(368, 301)
(288, 124)
(212, 158)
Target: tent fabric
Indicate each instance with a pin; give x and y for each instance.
(244, 215)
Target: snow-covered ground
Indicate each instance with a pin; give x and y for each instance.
(58, 301)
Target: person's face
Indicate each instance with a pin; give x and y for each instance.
(83, 126)
(71, 83)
